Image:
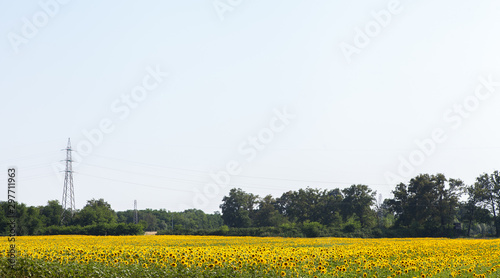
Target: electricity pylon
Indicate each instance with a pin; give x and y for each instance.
(68, 198)
(136, 218)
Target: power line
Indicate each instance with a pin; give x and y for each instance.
(134, 183)
(29, 157)
(247, 184)
(245, 176)
(37, 177)
(232, 184)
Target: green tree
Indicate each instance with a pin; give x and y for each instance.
(331, 205)
(495, 194)
(423, 202)
(358, 199)
(4, 221)
(238, 208)
(399, 205)
(27, 219)
(32, 221)
(125, 216)
(426, 205)
(51, 213)
(151, 220)
(474, 206)
(21, 219)
(308, 204)
(287, 206)
(95, 212)
(488, 190)
(267, 214)
(450, 201)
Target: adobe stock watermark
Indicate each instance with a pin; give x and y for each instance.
(32, 26)
(12, 183)
(454, 118)
(373, 28)
(122, 107)
(225, 6)
(248, 149)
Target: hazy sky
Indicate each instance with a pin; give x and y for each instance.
(172, 103)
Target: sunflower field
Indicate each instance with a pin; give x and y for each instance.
(215, 256)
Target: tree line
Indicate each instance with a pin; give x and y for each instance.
(98, 218)
(427, 205)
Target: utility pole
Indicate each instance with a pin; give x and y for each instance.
(136, 218)
(68, 198)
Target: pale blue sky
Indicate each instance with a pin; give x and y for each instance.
(353, 118)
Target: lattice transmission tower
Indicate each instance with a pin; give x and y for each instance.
(68, 198)
(136, 218)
